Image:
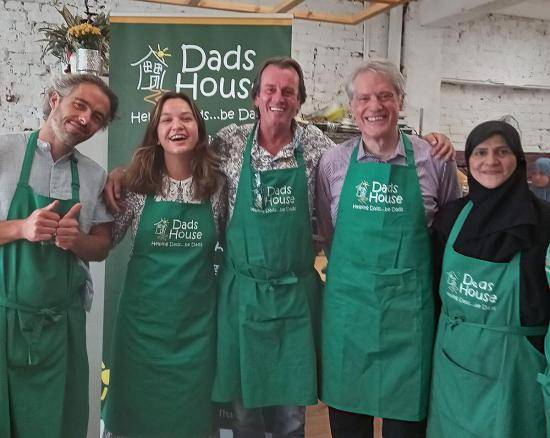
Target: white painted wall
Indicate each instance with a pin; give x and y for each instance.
(464, 106)
(500, 48)
(511, 51)
(478, 70)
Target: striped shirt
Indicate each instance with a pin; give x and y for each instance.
(437, 178)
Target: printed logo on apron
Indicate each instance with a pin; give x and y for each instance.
(470, 291)
(271, 199)
(482, 354)
(376, 196)
(269, 291)
(177, 233)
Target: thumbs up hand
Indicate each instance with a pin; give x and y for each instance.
(73, 212)
(68, 230)
(42, 223)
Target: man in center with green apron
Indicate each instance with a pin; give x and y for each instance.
(269, 289)
(376, 197)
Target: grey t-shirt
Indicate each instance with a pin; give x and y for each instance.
(53, 179)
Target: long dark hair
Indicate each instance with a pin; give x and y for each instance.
(145, 172)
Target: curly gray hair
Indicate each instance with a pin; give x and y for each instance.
(66, 84)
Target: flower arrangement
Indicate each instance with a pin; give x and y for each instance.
(76, 33)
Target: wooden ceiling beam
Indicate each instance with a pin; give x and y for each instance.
(389, 2)
(319, 16)
(286, 5)
(218, 5)
(375, 7)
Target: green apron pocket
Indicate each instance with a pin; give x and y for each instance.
(33, 339)
(398, 302)
(474, 394)
(277, 340)
(401, 326)
(381, 313)
(274, 316)
(273, 302)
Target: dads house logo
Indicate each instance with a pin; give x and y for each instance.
(376, 196)
(271, 199)
(152, 70)
(161, 229)
(177, 233)
(466, 289)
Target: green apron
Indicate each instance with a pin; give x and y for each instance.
(378, 315)
(43, 362)
(544, 378)
(485, 369)
(164, 336)
(269, 292)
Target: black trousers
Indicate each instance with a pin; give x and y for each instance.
(350, 425)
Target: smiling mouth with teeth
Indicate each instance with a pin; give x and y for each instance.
(276, 109)
(375, 119)
(178, 137)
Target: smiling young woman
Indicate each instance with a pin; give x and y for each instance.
(164, 338)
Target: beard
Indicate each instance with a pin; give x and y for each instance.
(67, 137)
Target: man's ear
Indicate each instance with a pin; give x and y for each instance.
(55, 98)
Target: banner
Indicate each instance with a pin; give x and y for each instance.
(212, 59)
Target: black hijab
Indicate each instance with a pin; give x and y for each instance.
(503, 220)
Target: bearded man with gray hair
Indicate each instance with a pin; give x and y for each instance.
(52, 222)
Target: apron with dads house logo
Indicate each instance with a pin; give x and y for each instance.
(164, 337)
(378, 320)
(485, 368)
(43, 361)
(269, 292)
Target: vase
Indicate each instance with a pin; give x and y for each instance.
(88, 61)
(72, 62)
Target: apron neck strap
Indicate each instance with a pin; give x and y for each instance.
(409, 151)
(75, 180)
(27, 166)
(29, 157)
(459, 222)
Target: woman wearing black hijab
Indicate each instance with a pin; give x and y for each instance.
(490, 253)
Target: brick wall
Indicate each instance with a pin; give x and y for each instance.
(327, 52)
(511, 51)
(481, 69)
(464, 106)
